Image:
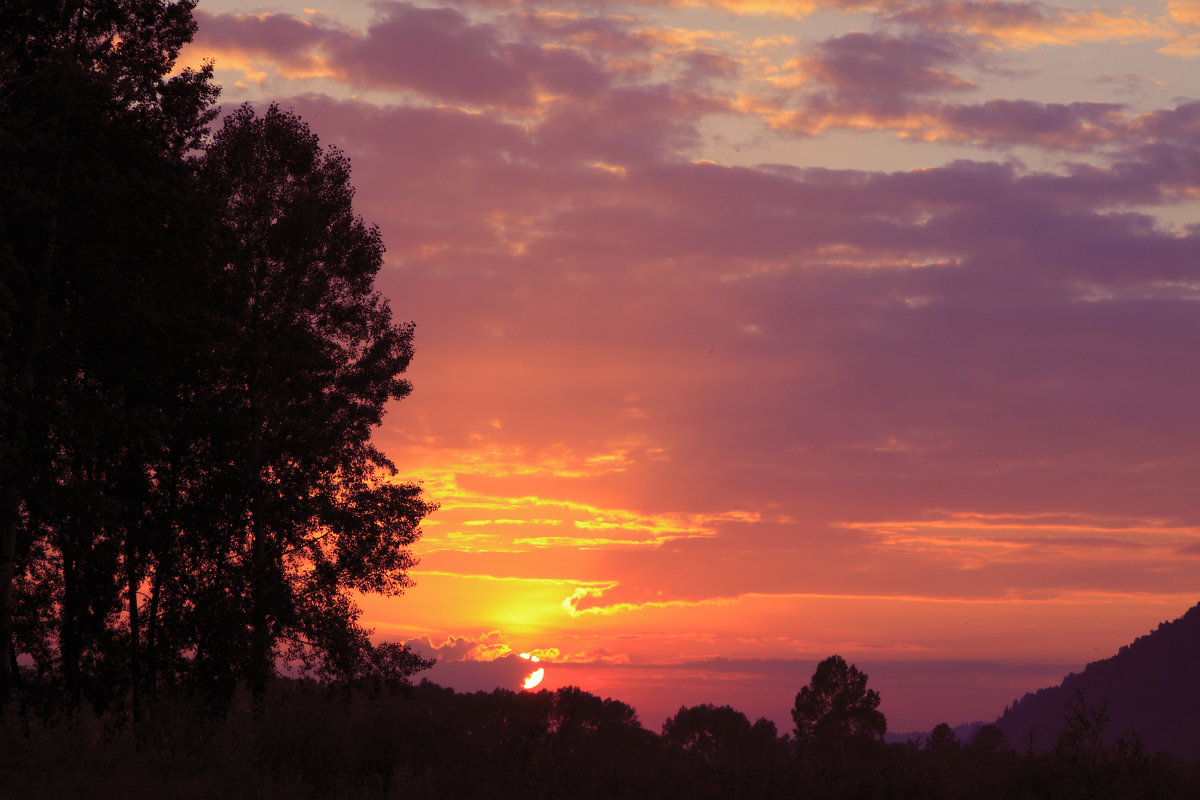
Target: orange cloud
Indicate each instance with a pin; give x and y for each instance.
(1184, 17)
(1022, 26)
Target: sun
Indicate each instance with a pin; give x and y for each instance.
(535, 677)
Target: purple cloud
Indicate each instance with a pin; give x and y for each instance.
(879, 71)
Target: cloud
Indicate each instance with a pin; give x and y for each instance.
(486, 661)
(479, 664)
(898, 83)
(485, 647)
(1130, 83)
(565, 70)
(521, 64)
(879, 70)
(615, 36)
(1022, 25)
(436, 52)
(628, 124)
(1071, 127)
(1054, 126)
(293, 46)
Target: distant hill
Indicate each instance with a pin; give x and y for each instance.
(1152, 686)
(964, 733)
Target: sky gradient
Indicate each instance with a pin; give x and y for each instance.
(753, 332)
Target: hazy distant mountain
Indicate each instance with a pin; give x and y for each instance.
(964, 733)
(1152, 686)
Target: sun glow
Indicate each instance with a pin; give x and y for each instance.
(535, 677)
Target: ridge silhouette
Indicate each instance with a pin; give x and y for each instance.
(1151, 686)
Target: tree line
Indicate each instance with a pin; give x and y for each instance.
(193, 357)
(327, 740)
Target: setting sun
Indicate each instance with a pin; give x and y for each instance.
(535, 677)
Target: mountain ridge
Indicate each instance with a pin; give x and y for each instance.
(1151, 686)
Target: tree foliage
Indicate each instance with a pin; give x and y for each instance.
(96, 227)
(192, 361)
(713, 733)
(313, 358)
(837, 708)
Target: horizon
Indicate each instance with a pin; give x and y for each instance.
(752, 333)
(769, 699)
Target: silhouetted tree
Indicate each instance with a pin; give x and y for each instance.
(987, 740)
(94, 213)
(193, 358)
(312, 510)
(838, 726)
(942, 741)
(936, 762)
(595, 744)
(837, 708)
(712, 733)
(723, 755)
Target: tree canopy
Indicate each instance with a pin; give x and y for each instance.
(837, 708)
(313, 358)
(193, 359)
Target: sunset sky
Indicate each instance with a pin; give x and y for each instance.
(750, 332)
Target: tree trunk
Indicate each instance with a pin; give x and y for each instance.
(8, 563)
(68, 645)
(260, 641)
(135, 665)
(162, 546)
(15, 473)
(152, 635)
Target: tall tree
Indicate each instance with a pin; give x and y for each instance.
(837, 709)
(93, 141)
(713, 733)
(312, 507)
(192, 360)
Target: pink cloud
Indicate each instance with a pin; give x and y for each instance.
(432, 51)
(612, 35)
(280, 35)
(436, 51)
(1028, 25)
(899, 83)
(876, 81)
(877, 70)
(1055, 126)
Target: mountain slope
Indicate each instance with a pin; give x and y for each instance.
(1152, 686)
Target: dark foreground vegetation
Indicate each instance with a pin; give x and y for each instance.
(310, 740)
